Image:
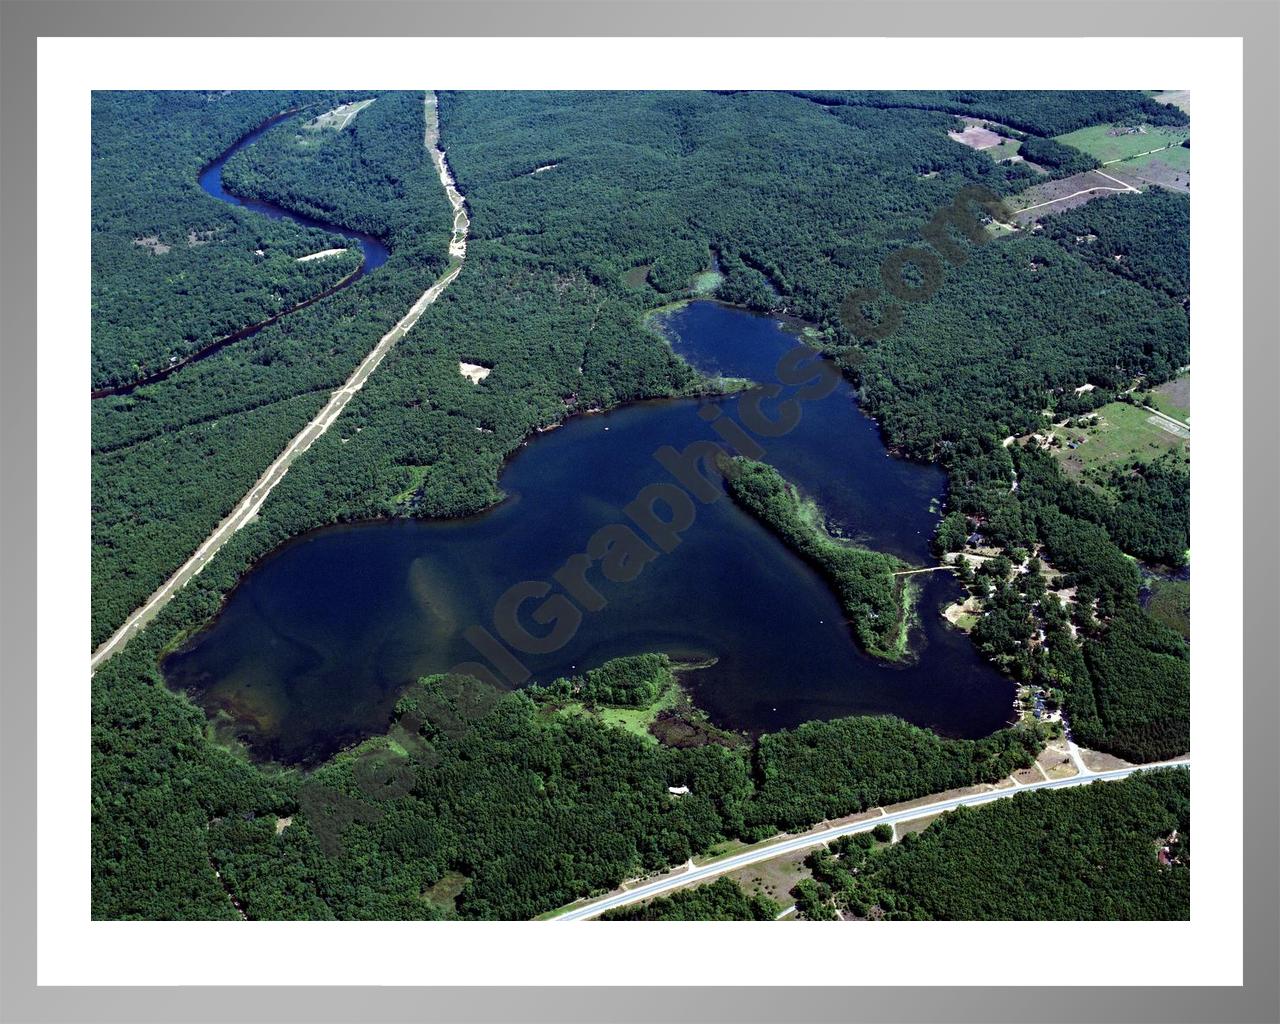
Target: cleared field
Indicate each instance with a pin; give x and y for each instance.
(1180, 98)
(1170, 169)
(1174, 398)
(339, 117)
(773, 878)
(1065, 194)
(1123, 433)
(976, 137)
(637, 276)
(1112, 143)
(1006, 149)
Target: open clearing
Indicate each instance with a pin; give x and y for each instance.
(1112, 143)
(774, 878)
(1170, 602)
(1065, 194)
(976, 137)
(1123, 433)
(339, 117)
(152, 242)
(1174, 397)
(1180, 98)
(1169, 169)
(1007, 149)
(474, 372)
(322, 254)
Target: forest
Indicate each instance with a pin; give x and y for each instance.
(721, 900)
(1040, 111)
(1145, 238)
(524, 806)
(1091, 853)
(174, 269)
(798, 202)
(172, 458)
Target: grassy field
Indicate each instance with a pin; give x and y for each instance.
(634, 720)
(1097, 141)
(706, 282)
(1174, 398)
(1123, 433)
(1004, 149)
(637, 276)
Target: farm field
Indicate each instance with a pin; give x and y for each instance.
(1098, 141)
(1170, 168)
(1124, 432)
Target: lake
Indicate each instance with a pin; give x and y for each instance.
(316, 642)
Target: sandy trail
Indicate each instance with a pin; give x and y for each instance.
(249, 505)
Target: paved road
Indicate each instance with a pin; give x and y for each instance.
(248, 506)
(584, 911)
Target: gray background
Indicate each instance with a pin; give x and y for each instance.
(1257, 22)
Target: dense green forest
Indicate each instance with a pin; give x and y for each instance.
(721, 900)
(825, 770)
(877, 603)
(524, 808)
(632, 681)
(174, 269)
(172, 458)
(1083, 854)
(1144, 238)
(1041, 111)
(1051, 153)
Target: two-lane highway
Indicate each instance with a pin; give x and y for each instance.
(592, 908)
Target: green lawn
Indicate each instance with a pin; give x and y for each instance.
(1097, 141)
(1124, 433)
(634, 720)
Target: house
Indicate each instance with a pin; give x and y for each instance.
(678, 790)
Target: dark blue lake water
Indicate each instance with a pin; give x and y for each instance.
(314, 645)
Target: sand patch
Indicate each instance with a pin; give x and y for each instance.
(976, 137)
(339, 117)
(474, 372)
(322, 254)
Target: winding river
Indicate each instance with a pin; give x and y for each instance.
(374, 253)
(312, 648)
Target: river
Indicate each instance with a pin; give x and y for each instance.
(312, 648)
(374, 254)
